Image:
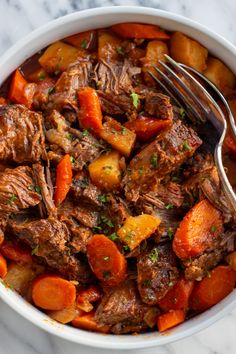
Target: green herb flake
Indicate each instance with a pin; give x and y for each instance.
(41, 76)
(37, 189)
(106, 221)
(123, 130)
(120, 51)
(113, 236)
(213, 228)
(170, 233)
(85, 133)
(103, 198)
(106, 258)
(106, 274)
(154, 160)
(51, 90)
(126, 248)
(83, 44)
(147, 282)
(12, 199)
(129, 235)
(96, 229)
(175, 179)
(154, 255)
(169, 206)
(72, 159)
(35, 250)
(182, 112)
(140, 171)
(129, 170)
(135, 99)
(186, 146)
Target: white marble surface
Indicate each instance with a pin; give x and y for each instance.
(19, 17)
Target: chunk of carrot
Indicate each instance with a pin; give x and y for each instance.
(231, 260)
(63, 179)
(178, 296)
(2, 101)
(16, 252)
(87, 322)
(213, 288)
(138, 30)
(170, 319)
(146, 128)
(3, 267)
(90, 114)
(21, 91)
(106, 261)
(51, 292)
(196, 232)
(83, 40)
(87, 297)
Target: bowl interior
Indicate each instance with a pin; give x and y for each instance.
(78, 22)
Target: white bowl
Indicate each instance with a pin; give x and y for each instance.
(78, 22)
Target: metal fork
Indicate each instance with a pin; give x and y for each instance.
(202, 109)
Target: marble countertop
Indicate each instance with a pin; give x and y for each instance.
(19, 17)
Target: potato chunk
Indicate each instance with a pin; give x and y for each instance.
(58, 56)
(105, 171)
(137, 228)
(109, 46)
(65, 315)
(220, 75)
(187, 51)
(155, 51)
(119, 137)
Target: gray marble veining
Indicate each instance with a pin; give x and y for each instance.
(19, 17)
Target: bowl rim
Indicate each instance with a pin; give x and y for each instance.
(28, 311)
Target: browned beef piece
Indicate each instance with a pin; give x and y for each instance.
(158, 105)
(80, 235)
(158, 159)
(157, 273)
(115, 105)
(76, 76)
(198, 267)
(17, 190)
(49, 238)
(122, 308)
(22, 138)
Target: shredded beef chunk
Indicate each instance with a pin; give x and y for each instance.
(122, 308)
(164, 155)
(18, 190)
(157, 273)
(158, 105)
(49, 238)
(21, 138)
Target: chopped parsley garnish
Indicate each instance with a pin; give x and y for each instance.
(123, 130)
(106, 221)
(35, 250)
(154, 160)
(147, 282)
(37, 189)
(106, 258)
(135, 99)
(170, 233)
(169, 206)
(72, 159)
(154, 255)
(175, 179)
(120, 50)
(85, 133)
(69, 136)
(51, 90)
(107, 169)
(106, 274)
(182, 112)
(97, 228)
(41, 76)
(186, 146)
(83, 43)
(213, 228)
(12, 199)
(103, 198)
(126, 248)
(113, 236)
(140, 171)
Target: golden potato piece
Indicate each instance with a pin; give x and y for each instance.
(63, 316)
(109, 46)
(187, 51)
(137, 228)
(220, 75)
(105, 171)
(120, 138)
(58, 56)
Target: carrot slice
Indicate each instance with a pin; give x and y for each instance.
(137, 30)
(83, 40)
(196, 232)
(212, 289)
(178, 296)
(106, 261)
(146, 128)
(87, 297)
(170, 319)
(21, 91)
(2, 101)
(87, 322)
(51, 292)
(16, 252)
(90, 115)
(63, 179)
(3, 267)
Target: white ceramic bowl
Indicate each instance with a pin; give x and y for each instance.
(78, 22)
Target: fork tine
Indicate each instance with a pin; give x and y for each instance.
(192, 112)
(195, 99)
(165, 89)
